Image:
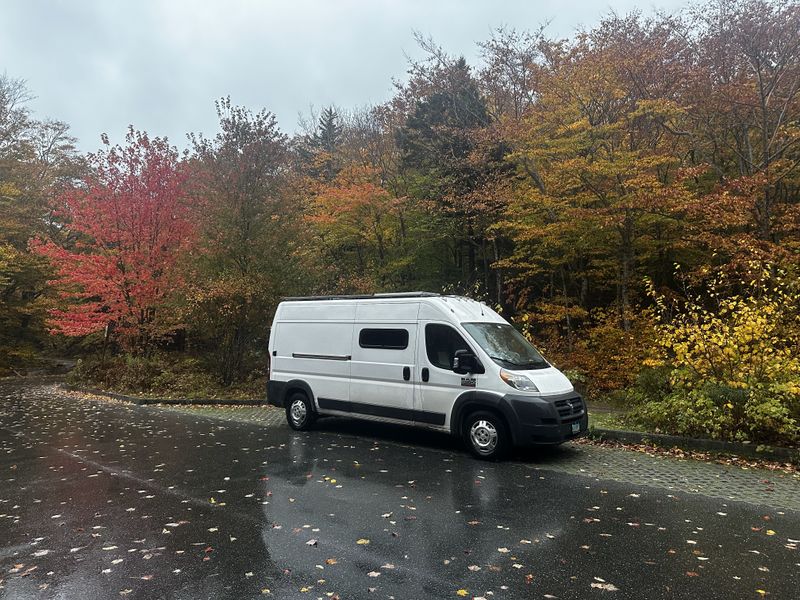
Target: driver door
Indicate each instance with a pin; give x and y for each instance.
(438, 385)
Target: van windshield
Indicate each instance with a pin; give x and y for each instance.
(506, 346)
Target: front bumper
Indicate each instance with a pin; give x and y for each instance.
(547, 420)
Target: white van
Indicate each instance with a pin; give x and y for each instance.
(444, 362)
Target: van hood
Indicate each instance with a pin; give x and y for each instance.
(549, 381)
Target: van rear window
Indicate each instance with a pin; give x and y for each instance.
(388, 339)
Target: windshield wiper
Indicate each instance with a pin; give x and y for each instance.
(538, 364)
(530, 364)
(502, 360)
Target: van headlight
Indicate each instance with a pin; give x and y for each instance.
(518, 382)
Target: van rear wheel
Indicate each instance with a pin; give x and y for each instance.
(486, 435)
(299, 412)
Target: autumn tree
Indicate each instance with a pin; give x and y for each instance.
(357, 222)
(37, 160)
(318, 149)
(744, 102)
(125, 226)
(601, 166)
(362, 224)
(248, 237)
(510, 76)
(449, 164)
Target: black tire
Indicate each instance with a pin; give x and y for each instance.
(486, 435)
(300, 413)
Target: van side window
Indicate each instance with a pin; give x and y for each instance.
(441, 343)
(387, 339)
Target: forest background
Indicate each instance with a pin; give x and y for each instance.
(628, 197)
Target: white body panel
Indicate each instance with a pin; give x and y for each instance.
(376, 375)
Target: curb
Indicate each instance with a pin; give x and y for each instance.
(775, 453)
(139, 400)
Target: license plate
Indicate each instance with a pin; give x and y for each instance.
(576, 427)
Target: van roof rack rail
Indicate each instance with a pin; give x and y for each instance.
(363, 296)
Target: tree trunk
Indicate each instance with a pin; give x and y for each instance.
(498, 274)
(626, 260)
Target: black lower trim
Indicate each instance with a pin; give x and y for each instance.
(376, 410)
(275, 392)
(432, 418)
(332, 404)
(278, 391)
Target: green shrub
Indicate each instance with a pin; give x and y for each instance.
(729, 367)
(16, 360)
(138, 373)
(163, 375)
(721, 412)
(654, 382)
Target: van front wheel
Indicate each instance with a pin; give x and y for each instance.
(486, 435)
(299, 412)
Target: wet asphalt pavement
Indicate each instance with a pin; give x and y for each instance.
(104, 500)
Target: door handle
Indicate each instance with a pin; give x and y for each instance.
(425, 374)
(406, 373)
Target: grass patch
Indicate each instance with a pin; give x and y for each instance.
(611, 420)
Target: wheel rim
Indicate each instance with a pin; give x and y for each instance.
(298, 412)
(483, 436)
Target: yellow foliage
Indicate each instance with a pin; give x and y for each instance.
(744, 341)
(736, 363)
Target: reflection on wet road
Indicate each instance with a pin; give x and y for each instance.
(101, 500)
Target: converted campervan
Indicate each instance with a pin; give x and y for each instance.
(444, 362)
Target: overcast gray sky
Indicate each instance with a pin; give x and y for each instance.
(100, 65)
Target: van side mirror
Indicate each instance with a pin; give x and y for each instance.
(465, 362)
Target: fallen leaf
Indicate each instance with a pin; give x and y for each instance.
(608, 587)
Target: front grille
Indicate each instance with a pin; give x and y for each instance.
(569, 407)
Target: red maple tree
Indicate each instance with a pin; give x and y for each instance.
(128, 224)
